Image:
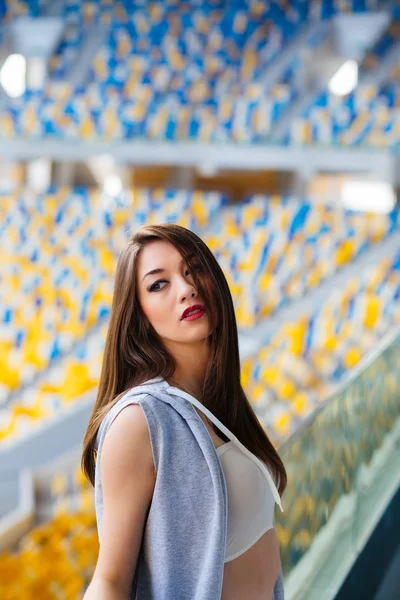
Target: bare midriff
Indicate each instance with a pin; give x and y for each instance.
(253, 574)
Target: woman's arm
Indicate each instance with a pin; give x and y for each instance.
(100, 589)
(128, 478)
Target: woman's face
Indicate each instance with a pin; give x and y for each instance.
(163, 296)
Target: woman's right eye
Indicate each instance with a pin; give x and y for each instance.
(152, 287)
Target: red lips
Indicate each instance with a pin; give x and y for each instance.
(194, 307)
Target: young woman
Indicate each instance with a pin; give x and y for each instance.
(185, 476)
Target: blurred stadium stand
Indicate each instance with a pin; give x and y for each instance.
(224, 117)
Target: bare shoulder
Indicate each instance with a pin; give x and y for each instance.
(128, 438)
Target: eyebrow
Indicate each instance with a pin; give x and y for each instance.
(154, 271)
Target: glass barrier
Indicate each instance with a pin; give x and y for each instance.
(343, 468)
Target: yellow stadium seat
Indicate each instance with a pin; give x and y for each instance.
(283, 424)
(352, 357)
(372, 312)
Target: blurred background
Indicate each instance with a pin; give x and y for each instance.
(272, 130)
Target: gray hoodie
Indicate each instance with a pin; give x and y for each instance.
(183, 547)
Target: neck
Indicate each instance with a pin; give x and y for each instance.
(190, 372)
(187, 384)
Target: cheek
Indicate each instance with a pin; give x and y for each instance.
(159, 312)
(151, 309)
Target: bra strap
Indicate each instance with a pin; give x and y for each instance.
(229, 434)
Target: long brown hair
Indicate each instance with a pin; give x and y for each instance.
(134, 354)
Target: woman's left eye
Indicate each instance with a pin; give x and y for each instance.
(198, 267)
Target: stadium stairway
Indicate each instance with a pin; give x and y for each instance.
(309, 36)
(95, 37)
(378, 65)
(314, 81)
(383, 70)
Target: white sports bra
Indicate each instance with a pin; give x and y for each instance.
(250, 501)
(251, 490)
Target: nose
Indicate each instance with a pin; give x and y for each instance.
(187, 290)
